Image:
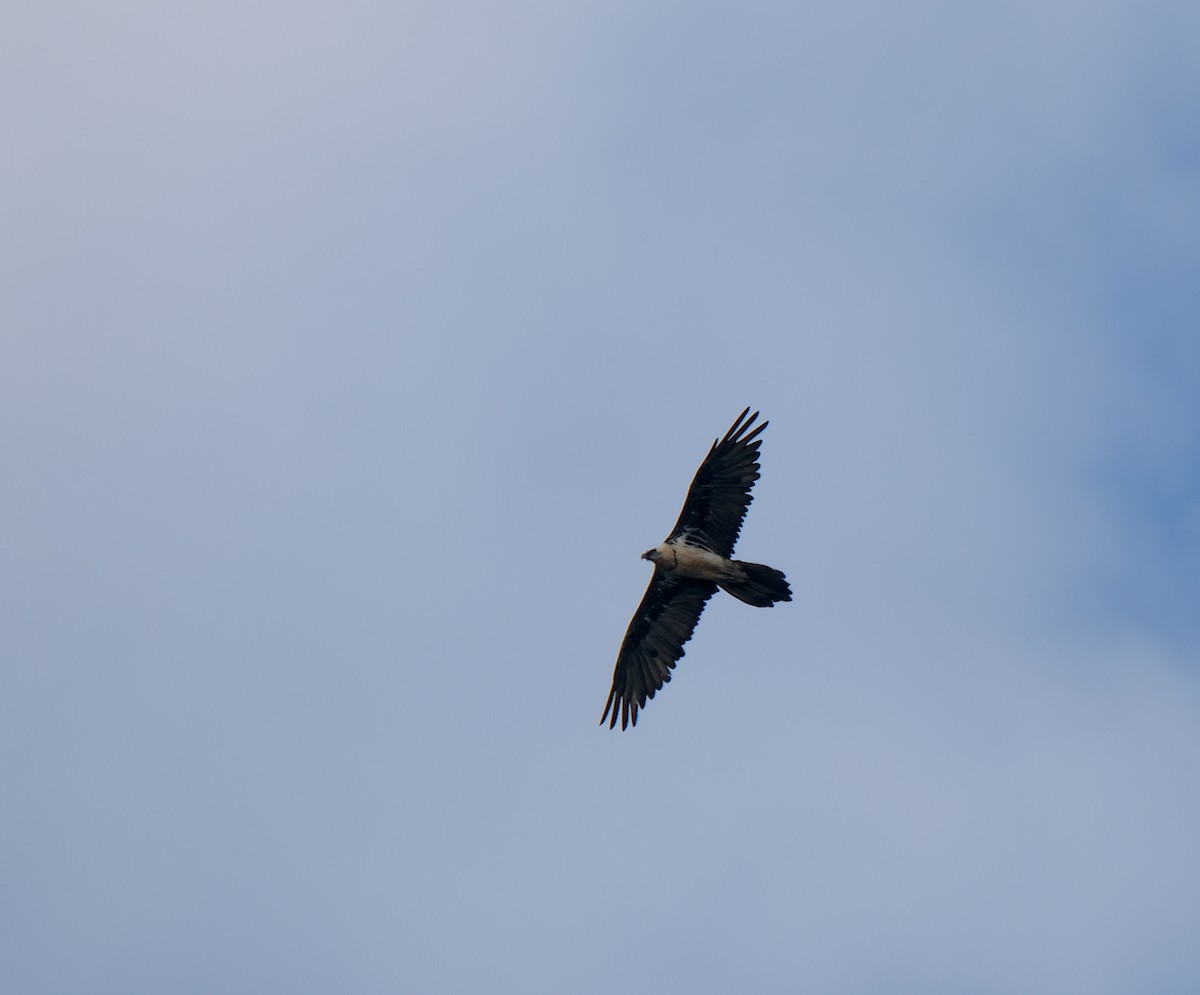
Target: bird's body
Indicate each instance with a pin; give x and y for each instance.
(690, 561)
(689, 566)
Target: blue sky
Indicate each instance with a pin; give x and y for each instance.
(352, 355)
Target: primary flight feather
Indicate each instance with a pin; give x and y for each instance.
(689, 566)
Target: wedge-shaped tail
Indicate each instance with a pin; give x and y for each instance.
(762, 586)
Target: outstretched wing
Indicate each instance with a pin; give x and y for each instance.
(664, 621)
(720, 493)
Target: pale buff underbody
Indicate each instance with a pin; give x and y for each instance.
(691, 561)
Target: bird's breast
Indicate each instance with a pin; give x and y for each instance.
(691, 561)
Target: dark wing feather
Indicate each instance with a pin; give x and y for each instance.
(720, 493)
(664, 621)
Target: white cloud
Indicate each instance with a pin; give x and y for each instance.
(311, 305)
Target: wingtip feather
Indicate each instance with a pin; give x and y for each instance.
(737, 426)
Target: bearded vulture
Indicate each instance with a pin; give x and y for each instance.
(689, 567)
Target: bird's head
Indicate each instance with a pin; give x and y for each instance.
(652, 555)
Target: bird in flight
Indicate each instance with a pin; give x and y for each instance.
(689, 566)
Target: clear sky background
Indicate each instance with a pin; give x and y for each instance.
(350, 355)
